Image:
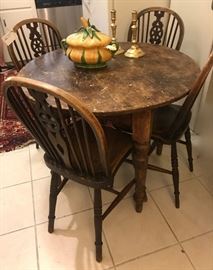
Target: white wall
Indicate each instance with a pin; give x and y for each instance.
(198, 20)
(12, 12)
(99, 13)
(124, 9)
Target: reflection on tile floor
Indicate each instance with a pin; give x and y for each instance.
(160, 238)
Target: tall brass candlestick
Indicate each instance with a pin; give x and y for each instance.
(114, 27)
(113, 4)
(134, 51)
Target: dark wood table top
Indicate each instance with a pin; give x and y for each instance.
(126, 85)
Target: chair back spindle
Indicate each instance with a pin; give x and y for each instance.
(34, 37)
(161, 26)
(62, 125)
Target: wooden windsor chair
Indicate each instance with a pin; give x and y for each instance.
(164, 27)
(170, 123)
(34, 37)
(160, 26)
(75, 144)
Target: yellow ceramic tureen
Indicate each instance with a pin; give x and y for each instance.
(89, 48)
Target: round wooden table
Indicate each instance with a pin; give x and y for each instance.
(135, 86)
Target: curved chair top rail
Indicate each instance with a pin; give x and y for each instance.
(159, 25)
(51, 114)
(38, 20)
(35, 37)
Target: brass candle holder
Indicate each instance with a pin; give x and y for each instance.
(134, 51)
(113, 27)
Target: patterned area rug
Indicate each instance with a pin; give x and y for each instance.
(12, 134)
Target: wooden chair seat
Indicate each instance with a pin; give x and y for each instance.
(119, 145)
(164, 117)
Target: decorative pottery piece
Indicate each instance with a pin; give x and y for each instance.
(89, 48)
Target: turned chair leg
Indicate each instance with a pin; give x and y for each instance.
(55, 181)
(175, 174)
(98, 223)
(37, 146)
(189, 148)
(159, 148)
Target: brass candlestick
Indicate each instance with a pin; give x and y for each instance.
(113, 27)
(134, 51)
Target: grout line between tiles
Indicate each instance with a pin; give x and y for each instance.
(110, 268)
(18, 184)
(146, 254)
(114, 266)
(173, 232)
(170, 185)
(42, 178)
(187, 255)
(78, 212)
(33, 201)
(196, 236)
(21, 150)
(107, 268)
(21, 229)
(201, 174)
(64, 216)
(204, 186)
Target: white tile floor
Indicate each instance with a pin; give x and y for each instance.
(161, 237)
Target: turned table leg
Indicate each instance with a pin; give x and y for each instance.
(141, 126)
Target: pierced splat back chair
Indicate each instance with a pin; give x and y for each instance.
(170, 123)
(160, 26)
(34, 37)
(75, 144)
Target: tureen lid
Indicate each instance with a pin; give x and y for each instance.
(88, 36)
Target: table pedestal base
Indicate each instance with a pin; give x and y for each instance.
(141, 127)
